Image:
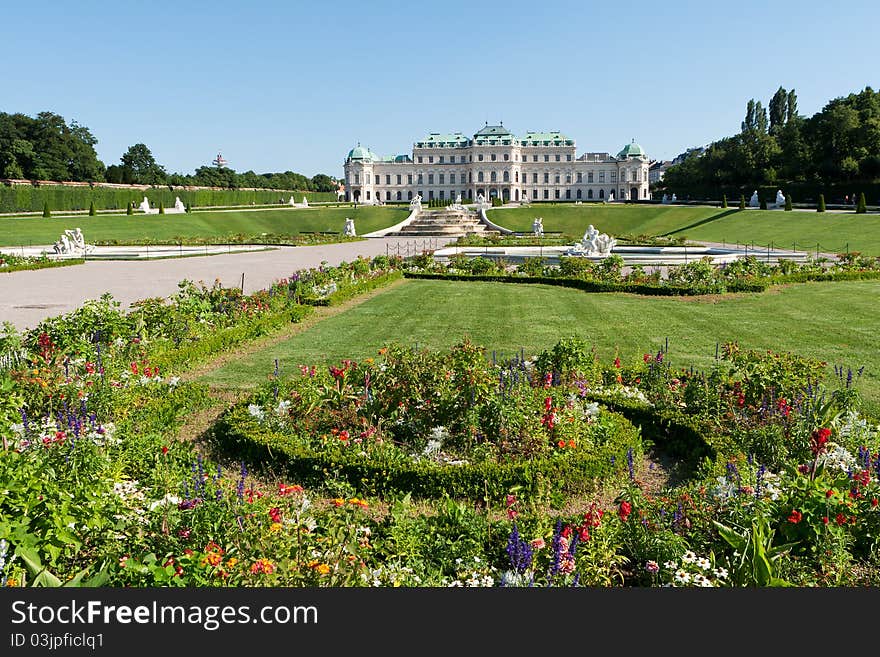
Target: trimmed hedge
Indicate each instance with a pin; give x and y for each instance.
(34, 198)
(350, 291)
(238, 432)
(594, 286)
(46, 264)
(182, 357)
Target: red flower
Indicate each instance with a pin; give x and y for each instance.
(624, 510)
(284, 489)
(840, 519)
(829, 493)
(795, 517)
(560, 444)
(818, 439)
(617, 362)
(164, 450)
(275, 514)
(825, 519)
(646, 357)
(873, 502)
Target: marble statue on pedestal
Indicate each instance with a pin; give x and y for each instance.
(349, 230)
(754, 202)
(538, 227)
(780, 199)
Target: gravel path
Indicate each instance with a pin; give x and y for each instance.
(28, 297)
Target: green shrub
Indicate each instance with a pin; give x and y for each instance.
(161, 207)
(129, 209)
(46, 212)
(742, 202)
(788, 202)
(724, 201)
(861, 208)
(763, 204)
(821, 206)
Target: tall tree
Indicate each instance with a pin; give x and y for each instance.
(791, 106)
(778, 110)
(140, 167)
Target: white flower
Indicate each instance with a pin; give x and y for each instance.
(283, 407)
(670, 565)
(173, 381)
(682, 577)
(591, 409)
(688, 557)
(720, 573)
(168, 499)
(257, 411)
(704, 563)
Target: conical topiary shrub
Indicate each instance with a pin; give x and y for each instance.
(724, 201)
(763, 204)
(46, 212)
(742, 202)
(161, 208)
(821, 206)
(788, 202)
(862, 207)
(92, 211)
(129, 209)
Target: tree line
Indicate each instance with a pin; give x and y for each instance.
(46, 147)
(839, 144)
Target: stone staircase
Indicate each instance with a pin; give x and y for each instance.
(445, 222)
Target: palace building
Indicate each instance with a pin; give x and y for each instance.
(495, 163)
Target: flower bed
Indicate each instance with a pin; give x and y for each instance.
(10, 263)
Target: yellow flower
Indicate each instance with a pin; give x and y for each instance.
(231, 562)
(275, 527)
(11, 582)
(323, 568)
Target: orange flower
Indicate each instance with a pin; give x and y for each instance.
(358, 502)
(338, 502)
(262, 566)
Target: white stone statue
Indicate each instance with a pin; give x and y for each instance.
(780, 198)
(72, 242)
(674, 198)
(593, 244)
(305, 202)
(664, 200)
(178, 204)
(538, 226)
(349, 230)
(291, 202)
(458, 199)
(145, 205)
(480, 199)
(524, 198)
(754, 202)
(62, 246)
(416, 203)
(611, 197)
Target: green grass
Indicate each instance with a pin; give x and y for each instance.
(17, 231)
(835, 232)
(835, 322)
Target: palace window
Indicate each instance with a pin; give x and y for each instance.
(430, 178)
(442, 176)
(568, 157)
(556, 179)
(493, 157)
(398, 195)
(506, 157)
(534, 177)
(580, 177)
(579, 193)
(421, 180)
(589, 193)
(535, 194)
(409, 195)
(546, 194)
(516, 176)
(409, 179)
(420, 159)
(430, 194)
(398, 178)
(557, 157)
(480, 157)
(441, 194)
(387, 178)
(601, 193)
(387, 196)
(613, 176)
(567, 193)
(479, 176)
(601, 176)
(451, 178)
(546, 158)
(377, 178)
(534, 159)
(546, 178)
(357, 179)
(506, 176)
(470, 176)
(590, 177)
(556, 194)
(568, 178)
(441, 159)
(493, 177)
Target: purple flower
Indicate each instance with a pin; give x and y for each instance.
(518, 551)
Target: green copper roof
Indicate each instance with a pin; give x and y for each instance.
(494, 131)
(436, 139)
(362, 153)
(631, 150)
(554, 138)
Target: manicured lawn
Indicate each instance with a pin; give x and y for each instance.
(834, 232)
(835, 322)
(286, 221)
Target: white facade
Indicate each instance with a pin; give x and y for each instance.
(539, 166)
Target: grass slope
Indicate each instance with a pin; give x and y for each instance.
(16, 231)
(835, 322)
(835, 232)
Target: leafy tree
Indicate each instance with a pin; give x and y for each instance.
(821, 206)
(323, 183)
(778, 110)
(861, 208)
(140, 167)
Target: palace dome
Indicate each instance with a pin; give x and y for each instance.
(631, 150)
(361, 153)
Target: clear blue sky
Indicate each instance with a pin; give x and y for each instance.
(282, 86)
